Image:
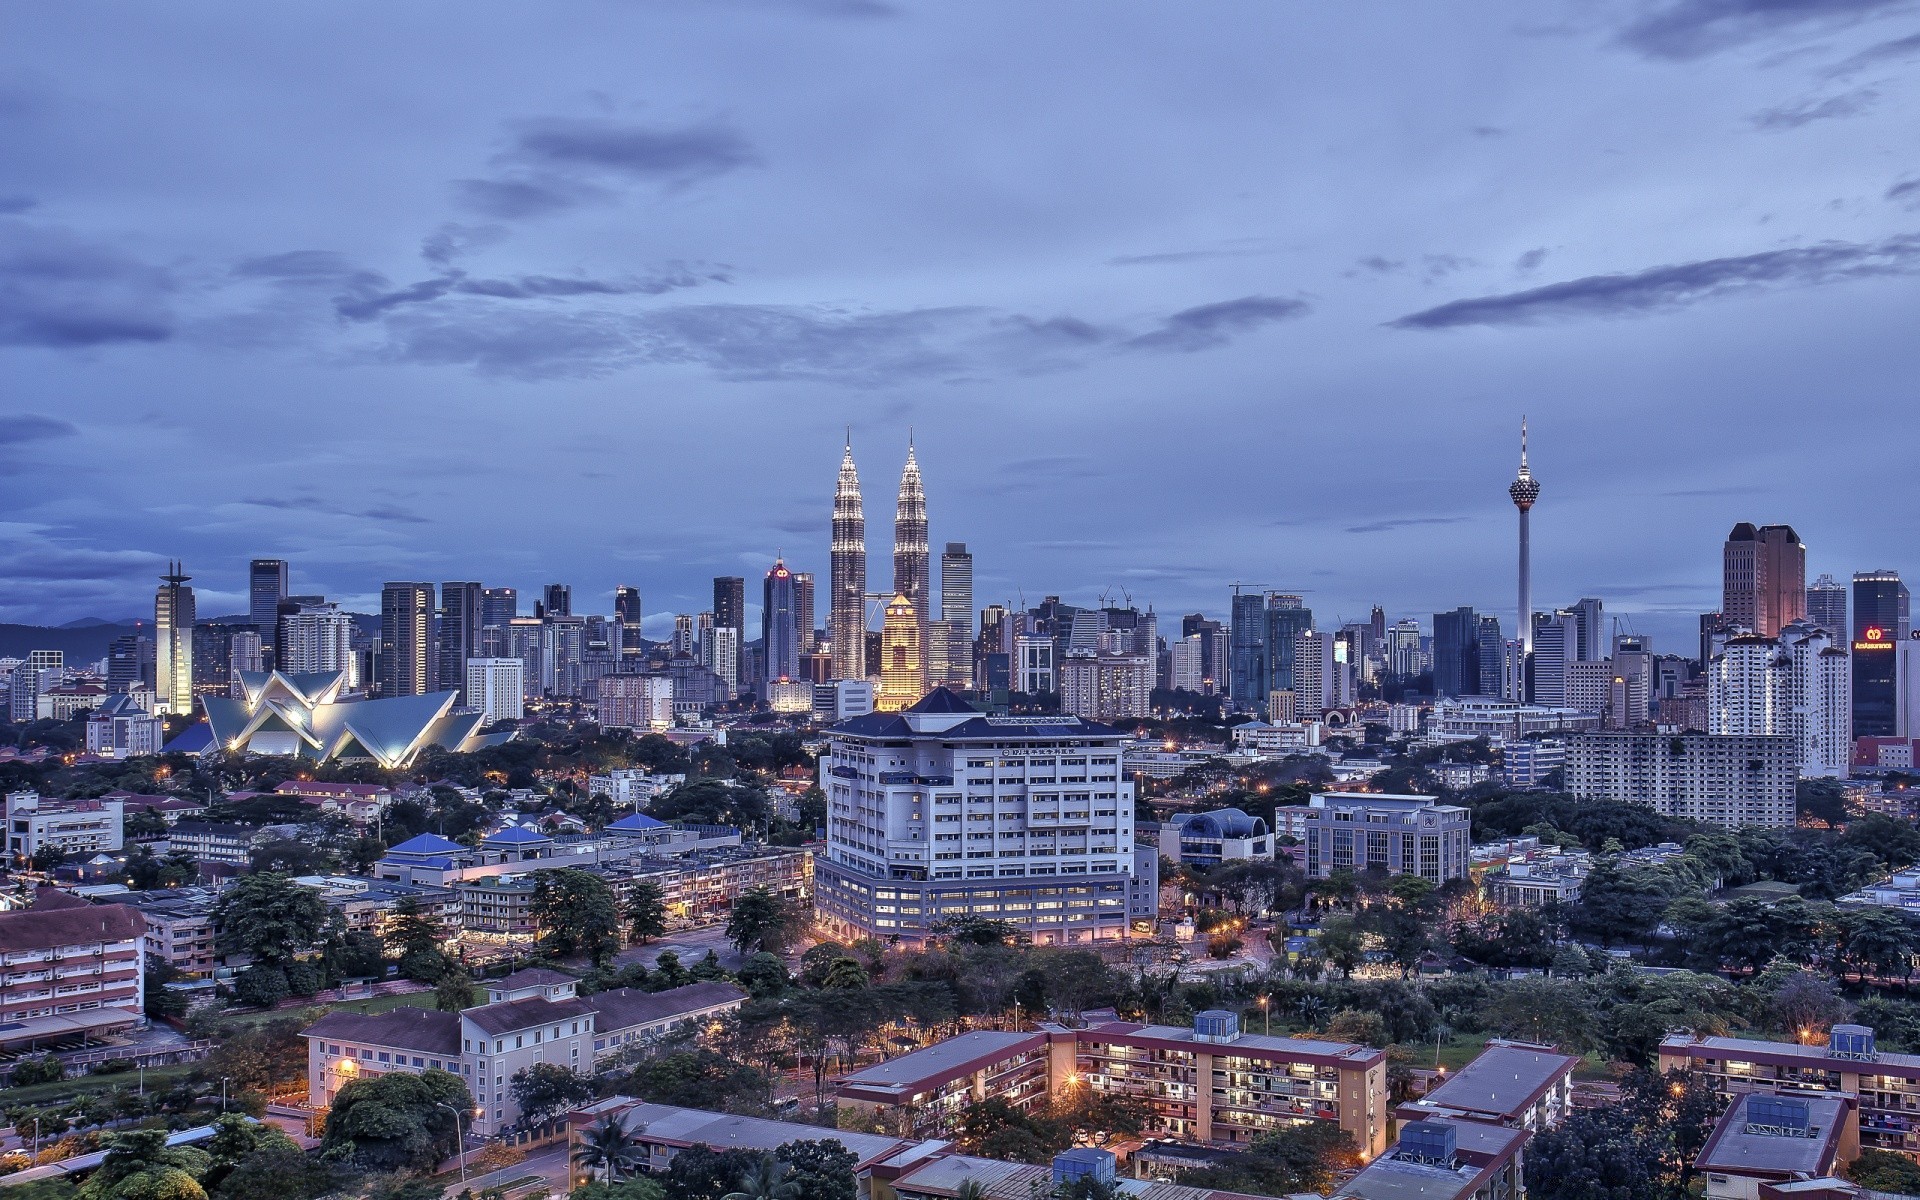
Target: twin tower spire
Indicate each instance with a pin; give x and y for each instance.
(847, 606)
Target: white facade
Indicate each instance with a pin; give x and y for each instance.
(720, 653)
(636, 702)
(1033, 665)
(1185, 671)
(1106, 687)
(1317, 678)
(1279, 737)
(80, 828)
(1728, 781)
(1463, 718)
(497, 687)
(631, 787)
(124, 732)
(317, 638)
(1798, 685)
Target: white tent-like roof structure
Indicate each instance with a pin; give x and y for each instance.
(301, 713)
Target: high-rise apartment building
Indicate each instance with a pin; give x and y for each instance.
(497, 687)
(266, 588)
(912, 567)
(1795, 686)
(1403, 649)
(1764, 578)
(847, 582)
(1317, 682)
(683, 640)
(940, 809)
(779, 630)
(1881, 623)
(1456, 653)
(173, 618)
(1725, 781)
(635, 702)
(316, 637)
(459, 633)
(1827, 607)
(405, 664)
(1106, 687)
(1186, 671)
(626, 610)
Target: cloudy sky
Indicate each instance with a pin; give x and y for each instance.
(1171, 295)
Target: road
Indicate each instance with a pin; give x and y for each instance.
(548, 1162)
(690, 944)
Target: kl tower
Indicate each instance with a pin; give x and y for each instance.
(1524, 490)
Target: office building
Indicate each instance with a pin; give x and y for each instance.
(847, 583)
(1456, 653)
(76, 828)
(1404, 657)
(1880, 625)
(121, 728)
(404, 665)
(1207, 839)
(1764, 578)
(1491, 648)
(642, 702)
(1555, 639)
(1106, 687)
(173, 618)
(903, 678)
(1728, 781)
(1247, 686)
(74, 971)
(316, 637)
(1827, 607)
(459, 633)
(244, 652)
(1360, 831)
(911, 564)
(803, 627)
(532, 1016)
(559, 600)
(497, 687)
(939, 811)
(1589, 627)
(721, 655)
(627, 613)
(956, 614)
(779, 628)
(498, 607)
(1286, 620)
(266, 588)
(1034, 668)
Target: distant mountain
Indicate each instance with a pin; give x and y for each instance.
(81, 644)
(89, 622)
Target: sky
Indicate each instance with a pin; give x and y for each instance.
(1168, 295)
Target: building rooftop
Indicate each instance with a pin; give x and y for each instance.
(724, 1131)
(510, 1015)
(427, 843)
(623, 1008)
(1503, 1081)
(423, 1029)
(1283, 1047)
(941, 1062)
(1751, 1142)
(1749, 1049)
(85, 925)
(530, 977)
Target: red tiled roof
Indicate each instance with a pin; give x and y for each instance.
(47, 928)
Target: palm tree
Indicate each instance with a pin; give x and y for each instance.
(610, 1147)
(971, 1190)
(766, 1180)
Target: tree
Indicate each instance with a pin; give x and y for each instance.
(1886, 1171)
(577, 912)
(646, 911)
(1295, 1158)
(395, 1122)
(1340, 944)
(1595, 1152)
(760, 920)
(545, 1090)
(262, 985)
(822, 1169)
(455, 989)
(763, 975)
(703, 1173)
(281, 1172)
(609, 1148)
(1354, 1025)
(269, 917)
(139, 1165)
(411, 929)
(766, 1179)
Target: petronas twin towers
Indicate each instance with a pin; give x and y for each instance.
(912, 569)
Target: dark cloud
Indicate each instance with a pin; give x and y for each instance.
(31, 555)
(1684, 29)
(298, 265)
(1389, 524)
(451, 241)
(1383, 266)
(372, 294)
(31, 427)
(1793, 116)
(1246, 248)
(58, 290)
(1907, 192)
(1894, 51)
(645, 152)
(525, 196)
(1210, 325)
(1531, 259)
(14, 205)
(1669, 287)
(314, 505)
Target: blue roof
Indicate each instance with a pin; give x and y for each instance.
(427, 843)
(514, 835)
(194, 739)
(635, 821)
(1222, 822)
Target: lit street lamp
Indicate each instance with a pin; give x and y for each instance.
(459, 1137)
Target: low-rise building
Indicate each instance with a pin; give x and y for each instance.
(1463, 718)
(1887, 1085)
(69, 969)
(179, 928)
(121, 728)
(1528, 763)
(1764, 1139)
(924, 1092)
(1543, 875)
(533, 1016)
(168, 808)
(1280, 739)
(1515, 1084)
(631, 787)
(77, 828)
(223, 843)
(1208, 839)
(360, 803)
(1444, 1160)
(1360, 831)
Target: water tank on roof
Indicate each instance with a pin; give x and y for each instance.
(1427, 1142)
(1083, 1162)
(1851, 1041)
(1777, 1114)
(1216, 1025)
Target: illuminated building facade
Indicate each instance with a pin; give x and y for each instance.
(903, 676)
(911, 564)
(1880, 624)
(173, 617)
(847, 582)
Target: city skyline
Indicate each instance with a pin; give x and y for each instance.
(1113, 316)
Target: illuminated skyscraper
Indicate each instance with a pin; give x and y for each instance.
(903, 678)
(911, 565)
(405, 666)
(459, 632)
(1880, 624)
(847, 601)
(1524, 490)
(173, 616)
(266, 588)
(559, 600)
(1827, 606)
(779, 632)
(1764, 578)
(626, 610)
(803, 611)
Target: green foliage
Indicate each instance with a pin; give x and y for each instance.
(699, 1078)
(641, 1188)
(607, 1147)
(545, 1090)
(763, 974)
(576, 912)
(395, 1122)
(760, 920)
(819, 1169)
(1297, 1158)
(646, 911)
(258, 1057)
(713, 802)
(271, 918)
(1886, 1171)
(411, 929)
(262, 985)
(454, 990)
(43, 1069)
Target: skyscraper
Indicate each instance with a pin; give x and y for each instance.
(803, 611)
(1492, 657)
(902, 673)
(626, 610)
(1880, 624)
(559, 600)
(1247, 664)
(1763, 578)
(911, 565)
(729, 602)
(956, 586)
(266, 588)
(1589, 630)
(173, 617)
(847, 599)
(405, 665)
(1287, 618)
(1827, 607)
(459, 632)
(779, 633)
(498, 607)
(1555, 637)
(1456, 653)
(1524, 491)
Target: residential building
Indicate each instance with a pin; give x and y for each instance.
(531, 1017)
(1444, 1160)
(1319, 683)
(631, 787)
(1207, 839)
(1827, 607)
(1764, 578)
(1776, 1139)
(1728, 781)
(925, 1091)
(940, 811)
(1848, 1063)
(72, 970)
(643, 702)
(1527, 763)
(173, 618)
(1106, 687)
(76, 828)
(1402, 835)
(405, 662)
(1519, 1085)
(1186, 670)
(497, 687)
(179, 928)
(221, 842)
(316, 637)
(1498, 721)
(1277, 739)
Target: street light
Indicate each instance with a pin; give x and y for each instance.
(459, 1137)
(1266, 1013)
